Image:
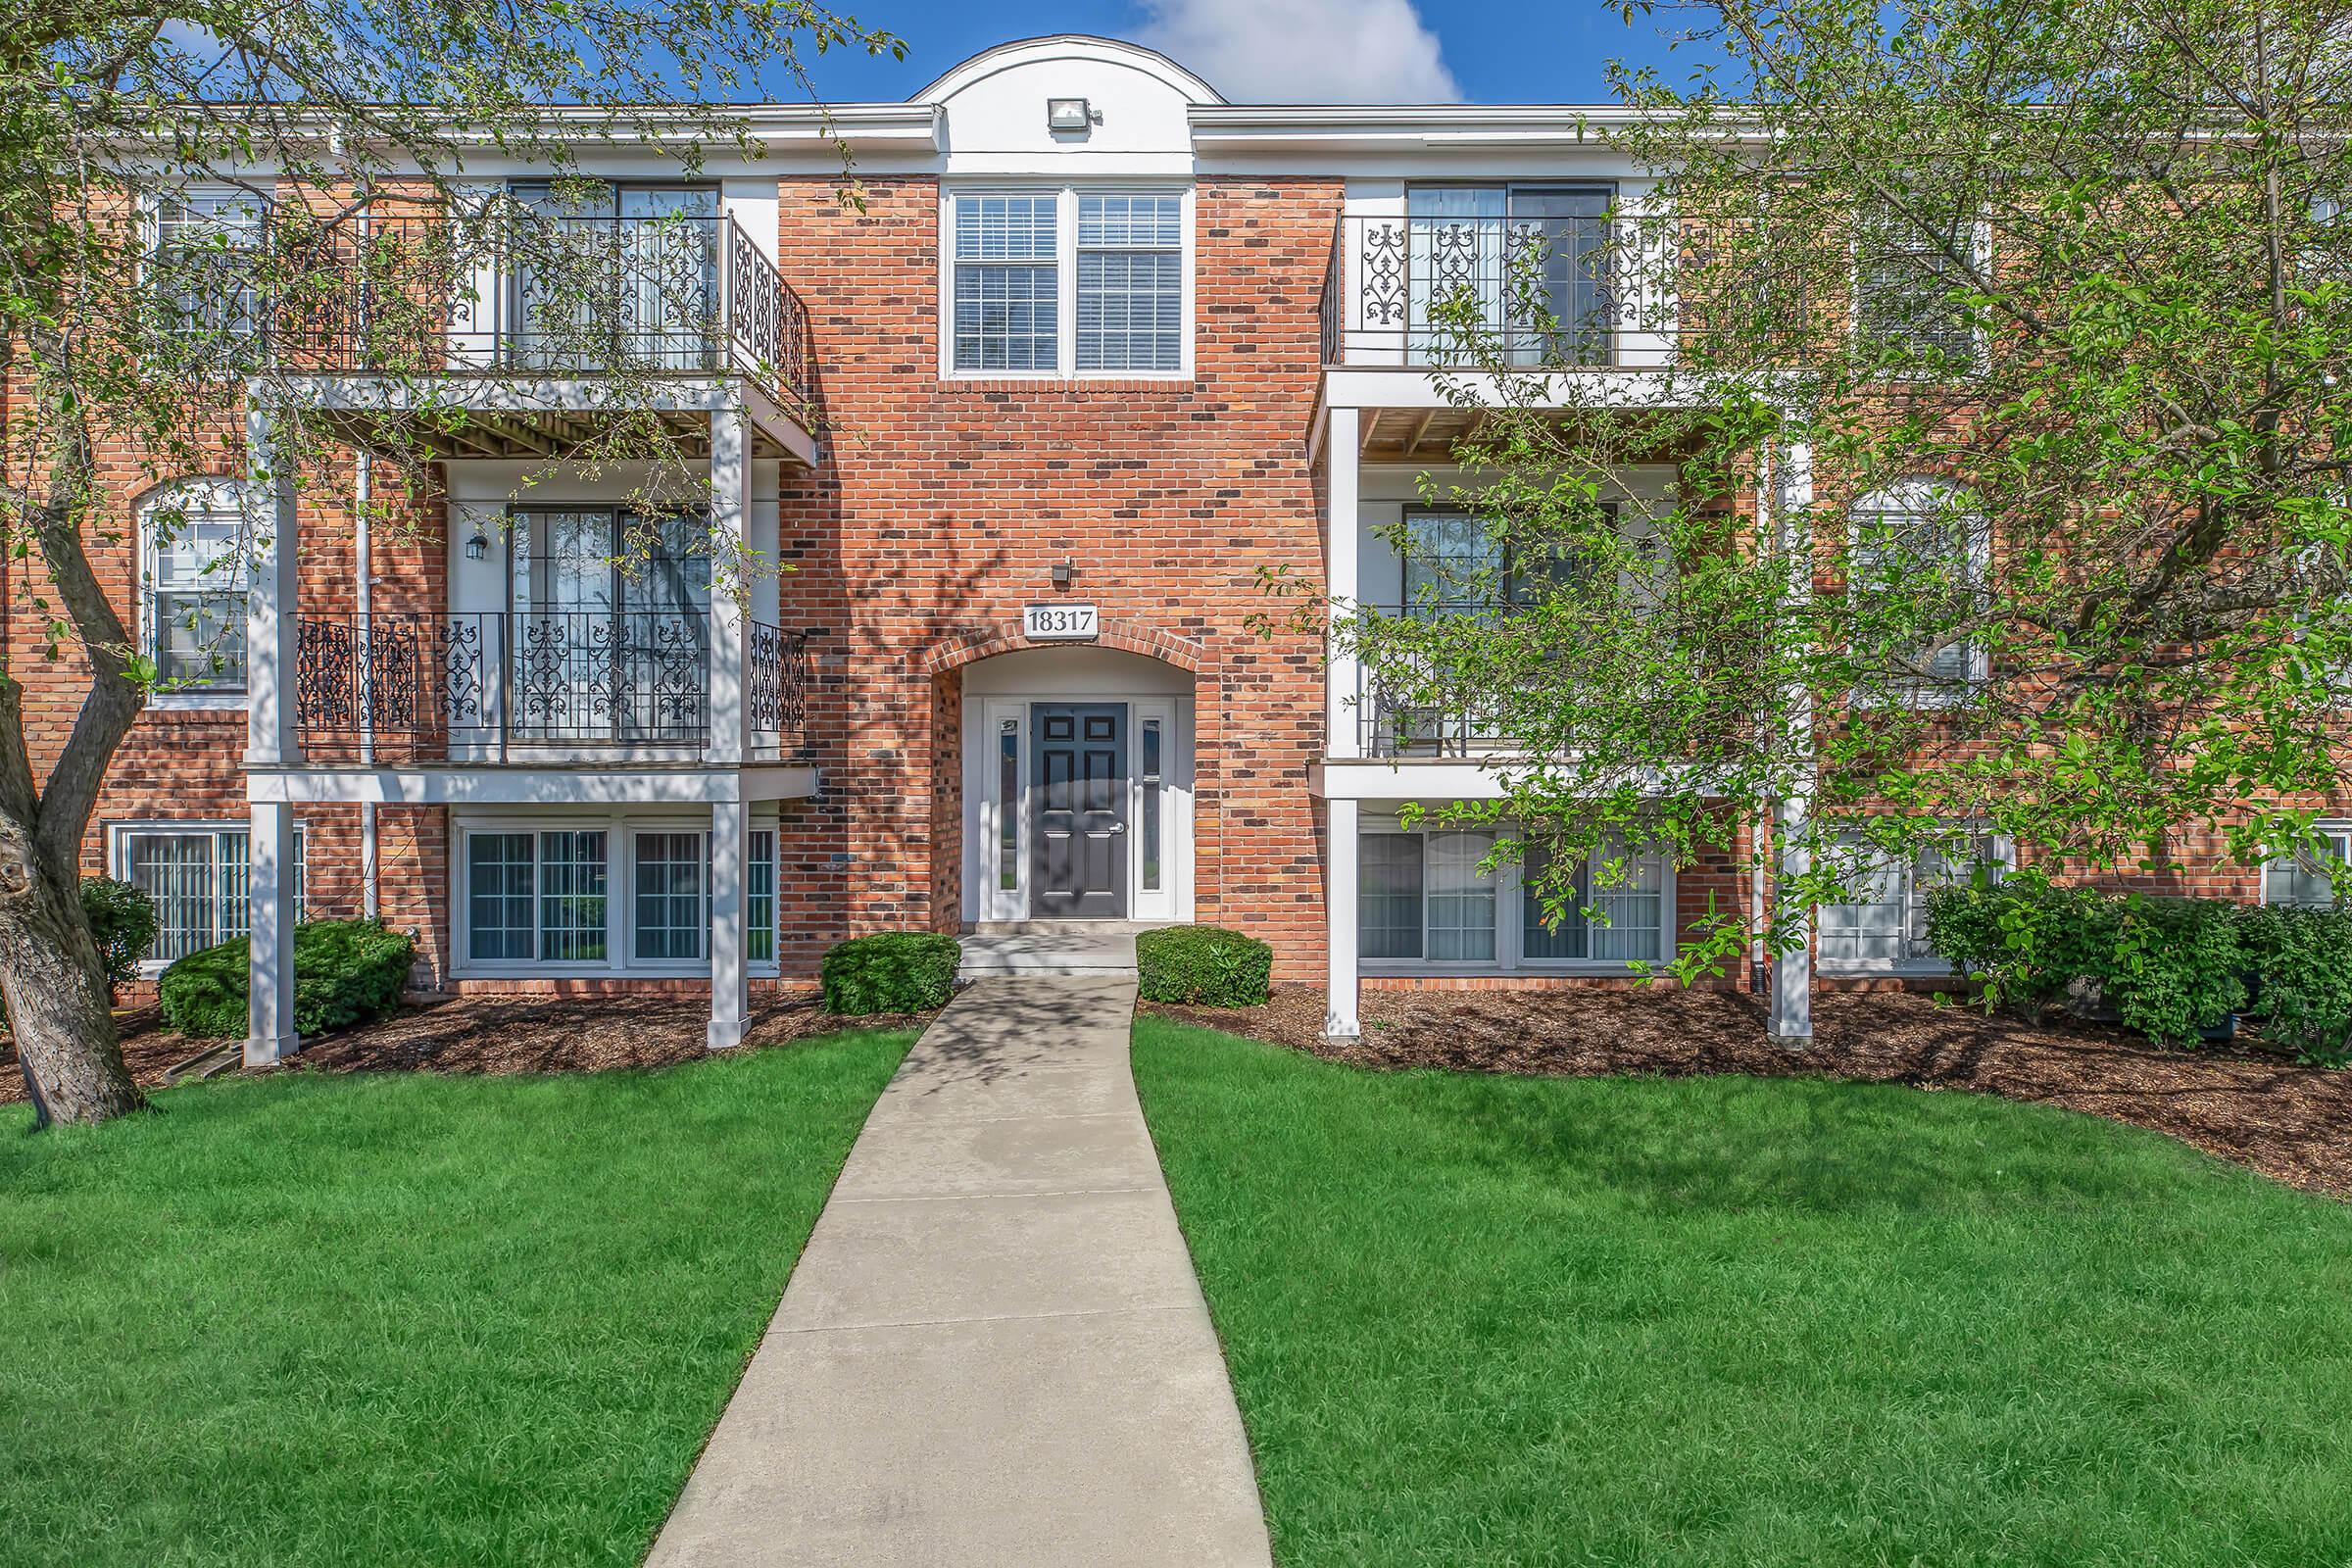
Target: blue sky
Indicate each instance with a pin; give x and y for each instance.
(1475, 51)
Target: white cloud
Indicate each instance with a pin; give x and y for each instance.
(1303, 50)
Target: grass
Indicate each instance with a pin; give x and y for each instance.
(1497, 1321)
(400, 1318)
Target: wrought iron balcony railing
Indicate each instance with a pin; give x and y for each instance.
(1461, 291)
(483, 686)
(1405, 712)
(430, 293)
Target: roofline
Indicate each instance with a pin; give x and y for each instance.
(1297, 127)
(933, 90)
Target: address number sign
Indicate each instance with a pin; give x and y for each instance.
(1063, 622)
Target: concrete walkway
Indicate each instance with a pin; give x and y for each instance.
(994, 1351)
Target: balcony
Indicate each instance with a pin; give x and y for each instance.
(532, 324)
(537, 688)
(1408, 713)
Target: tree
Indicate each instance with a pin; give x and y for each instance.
(135, 314)
(2028, 323)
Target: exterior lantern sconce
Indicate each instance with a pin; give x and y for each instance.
(1073, 115)
(477, 548)
(1063, 571)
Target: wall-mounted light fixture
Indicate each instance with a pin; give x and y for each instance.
(477, 548)
(1063, 571)
(1071, 115)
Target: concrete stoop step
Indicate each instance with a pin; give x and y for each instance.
(1049, 948)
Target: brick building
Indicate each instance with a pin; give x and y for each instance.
(1007, 444)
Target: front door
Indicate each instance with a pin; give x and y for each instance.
(1078, 812)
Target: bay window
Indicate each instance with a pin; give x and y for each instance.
(1066, 281)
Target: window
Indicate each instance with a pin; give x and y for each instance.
(1913, 541)
(671, 918)
(1130, 283)
(1887, 924)
(759, 898)
(2307, 878)
(617, 275)
(199, 879)
(197, 578)
(1527, 266)
(1008, 805)
(1456, 562)
(1153, 781)
(206, 243)
(545, 895)
(1422, 897)
(1904, 282)
(1629, 905)
(1109, 263)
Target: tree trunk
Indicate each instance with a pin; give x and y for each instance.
(55, 989)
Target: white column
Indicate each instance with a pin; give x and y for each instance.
(1342, 526)
(269, 607)
(1338, 918)
(1789, 485)
(269, 946)
(730, 509)
(730, 862)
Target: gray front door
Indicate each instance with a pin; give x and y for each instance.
(1078, 812)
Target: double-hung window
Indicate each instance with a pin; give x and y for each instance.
(1909, 279)
(197, 578)
(203, 262)
(1424, 897)
(2311, 877)
(199, 879)
(1885, 925)
(1919, 565)
(1066, 281)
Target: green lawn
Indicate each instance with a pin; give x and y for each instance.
(400, 1318)
(1492, 1321)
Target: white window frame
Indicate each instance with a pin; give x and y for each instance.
(621, 828)
(1999, 852)
(150, 210)
(118, 859)
(2338, 828)
(1922, 498)
(1065, 277)
(203, 493)
(1510, 957)
(1979, 243)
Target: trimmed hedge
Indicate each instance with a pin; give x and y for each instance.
(1202, 967)
(345, 972)
(891, 971)
(122, 920)
(2170, 969)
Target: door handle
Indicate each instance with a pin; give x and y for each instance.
(1116, 827)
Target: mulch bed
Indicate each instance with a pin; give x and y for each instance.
(505, 1034)
(2292, 1123)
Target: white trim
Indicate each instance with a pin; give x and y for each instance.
(219, 493)
(1065, 275)
(494, 785)
(1019, 52)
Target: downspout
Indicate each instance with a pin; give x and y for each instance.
(370, 893)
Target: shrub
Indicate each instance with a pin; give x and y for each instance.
(2300, 961)
(123, 923)
(345, 972)
(891, 971)
(1202, 967)
(2169, 967)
